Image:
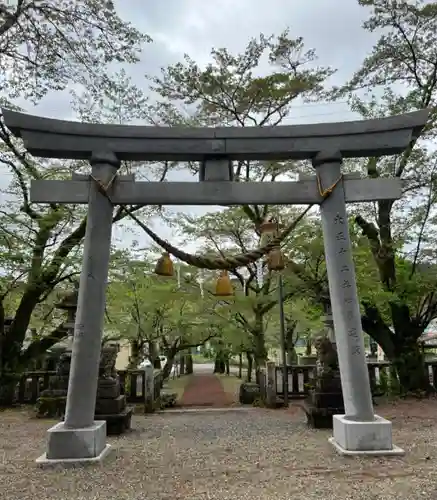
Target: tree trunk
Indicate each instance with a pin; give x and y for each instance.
(166, 370)
(308, 347)
(401, 346)
(260, 353)
(189, 364)
(240, 365)
(154, 355)
(249, 357)
(8, 385)
(259, 344)
(219, 364)
(182, 365)
(134, 359)
(17, 361)
(410, 368)
(291, 356)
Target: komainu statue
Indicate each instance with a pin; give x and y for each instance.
(108, 358)
(325, 395)
(327, 359)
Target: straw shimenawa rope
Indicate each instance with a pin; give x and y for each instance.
(228, 263)
(224, 263)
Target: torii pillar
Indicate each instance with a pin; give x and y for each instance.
(359, 431)
(79, 438)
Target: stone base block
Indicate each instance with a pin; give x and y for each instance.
(108, 406)
(327, 400)
(319, 418)
(249, 393)
(76, 444)
(363, 438)
(116, 424)
(43, 461)
(108, 389)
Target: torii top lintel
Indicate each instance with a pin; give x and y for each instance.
(52, 138)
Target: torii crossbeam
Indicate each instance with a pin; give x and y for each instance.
(79, 438)
(125, 191)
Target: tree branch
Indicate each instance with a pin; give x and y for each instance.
(40, 346)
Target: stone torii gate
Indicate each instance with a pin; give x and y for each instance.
(79, 438)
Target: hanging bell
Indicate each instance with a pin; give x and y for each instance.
(268, 226)
(164, 266)
(275, 260)
(224, 287)
(268, 229)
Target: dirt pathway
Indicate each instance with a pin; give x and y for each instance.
(205, 390)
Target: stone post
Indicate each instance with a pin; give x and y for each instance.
(270, 384)
(328, 321)
(355, 431)
(80, 437)
(149, 389)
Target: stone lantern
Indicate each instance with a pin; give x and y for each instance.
(68, 304)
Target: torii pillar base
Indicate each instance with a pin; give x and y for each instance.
(75, 447)
(363, 438)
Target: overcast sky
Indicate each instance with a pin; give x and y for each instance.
(196, 26)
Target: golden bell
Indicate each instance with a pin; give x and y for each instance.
(268, 226)
(224, 288)
(275, 260)
(164, 266)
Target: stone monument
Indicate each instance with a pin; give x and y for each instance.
(325, 397)
(110, 403)
(81, 438)
(51, 402)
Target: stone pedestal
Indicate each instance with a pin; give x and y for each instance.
(111, 406)
(324, 401)
(149, 400)
(271, 399)
(363, 438)
(70, 446)
(249, 393)
(52, 401)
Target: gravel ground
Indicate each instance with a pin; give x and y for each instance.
(258, 454)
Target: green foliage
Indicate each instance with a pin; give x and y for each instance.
(47, 46)
(52, 407)
(168, 400)
(231, 91)
(397, 77)
(146, 308)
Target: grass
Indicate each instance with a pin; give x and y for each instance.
(177, 385)
(231, 384)
(200, 359)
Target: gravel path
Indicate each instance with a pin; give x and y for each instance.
(258, 454)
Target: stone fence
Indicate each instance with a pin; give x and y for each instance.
(132, 382)
(299, 378)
